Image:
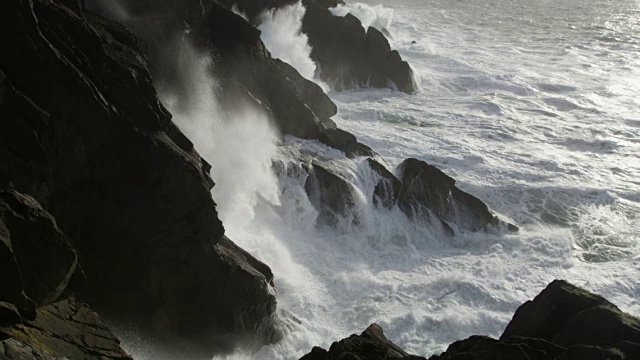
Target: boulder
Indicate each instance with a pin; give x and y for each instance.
(330, 193)
(345, 142)
(388, 188)
(63, 330)
(427, 191)
(101, 154)
(370, 345)
(565, 315)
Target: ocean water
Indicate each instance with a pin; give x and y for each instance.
(532, 105)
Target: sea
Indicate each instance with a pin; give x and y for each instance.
(533, 106)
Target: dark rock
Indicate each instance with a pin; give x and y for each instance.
(66, 329)
(298, 106)
(564, 314)
(370, 345)
(350, 56)
(427, 191)
(387, 190)
(582, 352)
(101, 154)
(9, 314)
(485, 348)
(12, 289)
(345, 142)
(330, 193)
(45, 258)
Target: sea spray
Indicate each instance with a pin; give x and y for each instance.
(282, 35)
(376, 16)
(238, 144)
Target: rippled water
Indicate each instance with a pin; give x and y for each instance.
(532, 104)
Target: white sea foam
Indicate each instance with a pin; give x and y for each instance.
(282, 35)
(376, 16)
(544, 139)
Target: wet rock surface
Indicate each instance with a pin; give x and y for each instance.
(428, 192)
(84, 135)
(350, 56)
(64, 330)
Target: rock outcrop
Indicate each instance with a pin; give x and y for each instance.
(350, 56)
(370, 345)
(563, 322)
(244, 69)
(347, 55)
(345, 142)
(84, 134)
(567, 315)
(64, 330)
(388, 188)
(39, 271)
(427, 192)
(330, 193)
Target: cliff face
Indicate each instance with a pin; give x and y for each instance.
(84, 134)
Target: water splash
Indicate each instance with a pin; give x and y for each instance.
(282, 35)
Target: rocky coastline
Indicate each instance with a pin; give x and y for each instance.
(102, 194)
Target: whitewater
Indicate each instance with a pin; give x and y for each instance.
(531, 105)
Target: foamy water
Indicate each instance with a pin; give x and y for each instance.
(532, 105)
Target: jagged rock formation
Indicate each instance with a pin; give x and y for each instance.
(39, 269)
(330, 193)
(84, 134)
(243, 67)
(565, 314)
(348, 55)
(388, 188)
(427, 191)
(563, 322)
(345, 142)
(64, 330)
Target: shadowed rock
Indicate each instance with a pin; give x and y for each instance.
(63, 330)
(565, 315)
(330, 194)
(427, 191)
(387, 190)
(349, 55)
(345, 142)
(84, 134)
(370, 345)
